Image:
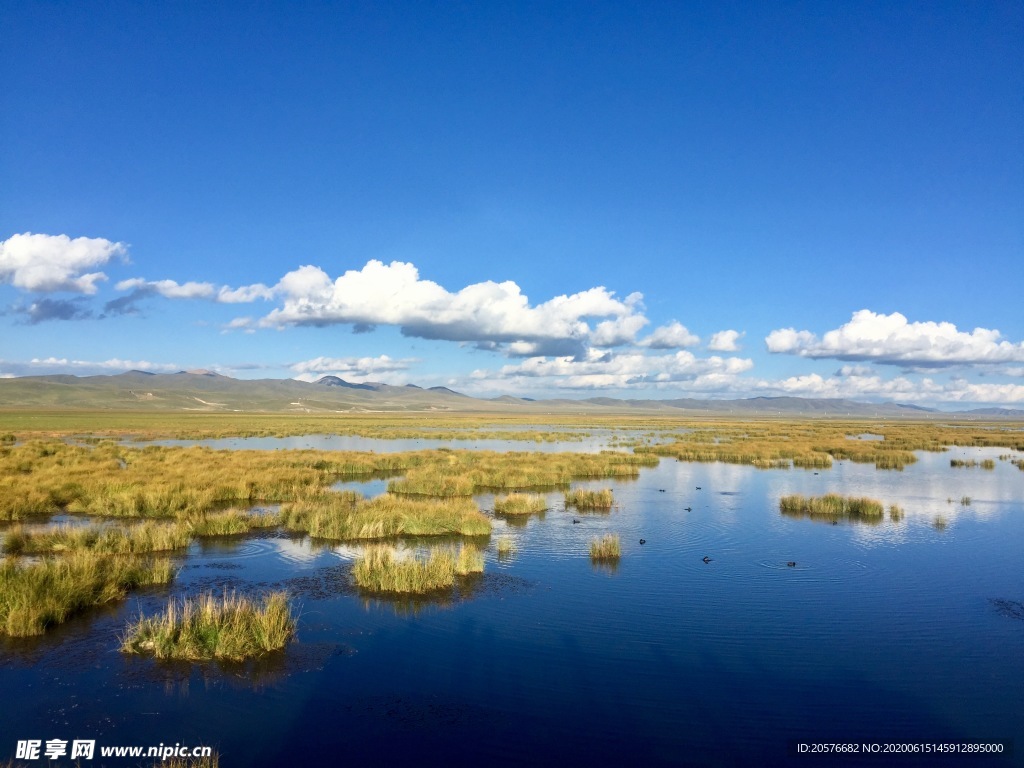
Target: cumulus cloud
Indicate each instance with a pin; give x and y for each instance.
(725, 341)
(899, 389)
(892, 340)
(675, 335)
(350, 366)
(628, 370)
(394, 294)
(47, 263)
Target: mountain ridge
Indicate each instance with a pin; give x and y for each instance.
(203, 390)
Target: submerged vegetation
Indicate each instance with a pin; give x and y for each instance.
(381, 569)
(207, 627)
(970, 463)
(37, 595)
(832, 506)
(584, 500)
(606, 548)
(506, 547)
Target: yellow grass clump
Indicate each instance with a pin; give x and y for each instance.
(380, 569)
(606, 548)
(520, 504)
(207, 627)
(583, 500)
(38, 595)
(832, 506)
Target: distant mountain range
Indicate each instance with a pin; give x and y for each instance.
(202, 390)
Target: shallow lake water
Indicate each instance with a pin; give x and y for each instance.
(589, 441)
(900, 632)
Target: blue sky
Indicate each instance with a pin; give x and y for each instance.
(625, 199)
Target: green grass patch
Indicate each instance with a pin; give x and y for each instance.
(38, 595)
(208, 627)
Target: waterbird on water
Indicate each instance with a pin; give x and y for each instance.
(643, 541)
(707, 559)
(688, 509)
(575, 521)
(698, 487)
(791, 563)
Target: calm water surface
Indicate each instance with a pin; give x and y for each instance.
(897, 632)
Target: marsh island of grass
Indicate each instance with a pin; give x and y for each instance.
(832, 506)
(583, 500)
(607, 547)
(230, 627)
(382, 569)
(37, 595)
(520, 504)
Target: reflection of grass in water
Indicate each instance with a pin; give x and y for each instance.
(965, 501)
(583, 500)
(940, 523)
(520, 504)
(896, 513)
(832, 506)
(381, 570)
(33, 597)
(988, 464)
(606, 548)
(207, 627)
(210, 761)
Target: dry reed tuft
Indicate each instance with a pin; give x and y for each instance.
(207, 627)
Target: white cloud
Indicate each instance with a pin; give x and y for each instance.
(394, 294)
(629, 370)
(900, 389)
(52, 365)
(171, 289)
(244, 294)
(350, 366)
(855, 370)
(725, 341)
(892, 340)
(56, 262)
(675, 335)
